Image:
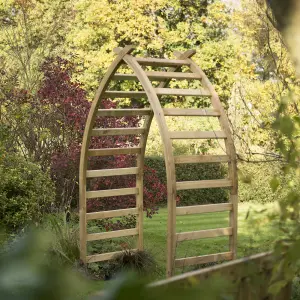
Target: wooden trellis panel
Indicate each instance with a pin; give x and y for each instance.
(153, 93)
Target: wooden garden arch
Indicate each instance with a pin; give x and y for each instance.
(153, 94)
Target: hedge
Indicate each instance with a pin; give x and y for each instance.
(254, 181)
(193, 172)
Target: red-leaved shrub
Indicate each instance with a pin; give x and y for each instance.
(66, 101)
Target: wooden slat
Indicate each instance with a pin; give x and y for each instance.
(203, 184)
(161, 62)
(111, 172)
(199, 209)
(120, 76)
(182, 92)
(116, 131)
(104, 256)
(153, 75)
(114, 151)
(111, 193)
(204, 259)
(197, 135)
(126, 94)
(191, 159)
(124, 112)
(203, 234)
(111, 213)
(111, 234)
(157, 76)
(191, 112)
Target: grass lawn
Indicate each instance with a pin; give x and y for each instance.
(255, 234)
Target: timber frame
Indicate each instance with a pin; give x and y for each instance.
(155, 109)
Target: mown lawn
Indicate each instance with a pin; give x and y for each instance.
(255, 234)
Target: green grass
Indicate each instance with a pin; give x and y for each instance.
(255, 233)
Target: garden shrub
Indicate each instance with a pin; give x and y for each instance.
(25, 192)
(192, 172)
(254, 181)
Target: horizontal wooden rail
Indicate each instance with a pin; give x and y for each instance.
(199, 209)
(182, 92)
(203, 184)
(117, 131)
(157, 76)
(111, 172)
(122, 76)
(112, 193)
(203, 234)
(111, 213)
(191, 159)
(126, 94)
(104, 256)
(161, 62)
(111, 234)
(204, 259)
(124, 112)
(153, 75)
(114, 151)
(191, 112)
(182, 135)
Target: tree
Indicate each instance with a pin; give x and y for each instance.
(157, 28)
(30, 32)
(258, 92)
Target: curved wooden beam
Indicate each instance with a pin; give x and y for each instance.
(230, 151)
(85, 145)
(168, 154)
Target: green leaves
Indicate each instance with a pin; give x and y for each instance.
(274, 183)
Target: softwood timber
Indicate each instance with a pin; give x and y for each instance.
(111, 172)
(104, 256)
(157, 76)
(111, 213)
(117, 131)
(200, 209)
(202, 234)
(111, 193)
(183, 135)
(191, 112)
(182, 92)
(169, 159)
(123, 112)
(153, 94)
(246, 278)
(113, 151)
(204, 259)
(203, 184)
(85, 145)
(192, 159)
(126, 94)
(140, 182)
(230, 149)
(111, 234)
(161, 62)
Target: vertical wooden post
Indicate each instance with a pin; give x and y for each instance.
(233, 222)
(140, 182)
